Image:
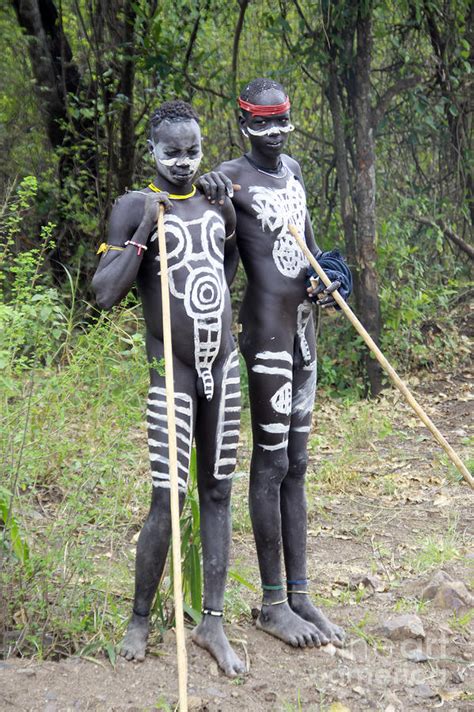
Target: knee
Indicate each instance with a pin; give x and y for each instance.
(297, 467)
(270, 474)
(218, 492)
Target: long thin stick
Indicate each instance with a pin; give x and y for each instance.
(173, 468)
(453, 456)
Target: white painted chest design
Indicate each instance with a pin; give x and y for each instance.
(196, 276)
(275, 208)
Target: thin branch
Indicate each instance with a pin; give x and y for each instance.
(303, 17)
(383, 103)
(235, 48)
(447, 233)
(192, 40)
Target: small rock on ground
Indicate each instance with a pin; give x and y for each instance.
(403, 627)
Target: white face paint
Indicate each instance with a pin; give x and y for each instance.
(272, 131)
(187, 161)
(176, 148)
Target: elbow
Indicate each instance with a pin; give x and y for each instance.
(104, 297)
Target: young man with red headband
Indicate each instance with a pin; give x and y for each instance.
(278, 343)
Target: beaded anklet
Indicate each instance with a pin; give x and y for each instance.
(273, 587)
(210, 612)
(299, 582)
(275, 603)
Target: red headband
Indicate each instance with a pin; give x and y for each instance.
(265, 110)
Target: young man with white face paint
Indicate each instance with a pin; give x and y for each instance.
(278, 344)
(200, 241)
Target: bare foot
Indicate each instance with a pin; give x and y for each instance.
(328, 632)
(134, 643)
(210, 635)
(281, 622)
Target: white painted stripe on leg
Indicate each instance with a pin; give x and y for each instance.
(274, 427)
(274, 356)
(278, 446)
(273, 371)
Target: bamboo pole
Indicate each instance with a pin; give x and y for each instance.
(453, 456)
(173, 468)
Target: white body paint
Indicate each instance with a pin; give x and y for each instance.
(281, 400)
(302, 318)
(275, 209)
(272, 131)
(227, 436)
(195, 250)
(303, 401)
(276, 363)
(157, 421)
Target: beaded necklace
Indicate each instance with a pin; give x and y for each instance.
(173, 196)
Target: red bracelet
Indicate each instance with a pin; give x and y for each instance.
(137, 245)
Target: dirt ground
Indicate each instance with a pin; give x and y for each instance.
(400, 519)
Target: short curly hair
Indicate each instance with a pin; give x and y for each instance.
(257, 86)
(172, 111)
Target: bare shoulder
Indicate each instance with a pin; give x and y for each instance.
(233, 169)
(292, 164)
(127, 210)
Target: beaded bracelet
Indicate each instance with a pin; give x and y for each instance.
(138, 245)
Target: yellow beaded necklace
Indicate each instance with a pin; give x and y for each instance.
(173, 196)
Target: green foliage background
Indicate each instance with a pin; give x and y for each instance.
(73, 382)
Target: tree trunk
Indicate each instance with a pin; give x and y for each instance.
(51, 62)
(367, 297)
(342, 168)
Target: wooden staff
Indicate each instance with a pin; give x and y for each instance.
(453, 456)
(173, 468)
